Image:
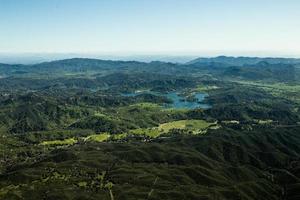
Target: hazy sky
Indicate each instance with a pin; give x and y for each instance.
(258, 27)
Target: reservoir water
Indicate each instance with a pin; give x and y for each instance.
(178, 101)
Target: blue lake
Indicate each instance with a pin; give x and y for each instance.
(178, 101)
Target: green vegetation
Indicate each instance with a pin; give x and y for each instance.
(69, 141)
(71, 129)
(150, 132)
(97, 138)
(193, 125)
(283, 90)
(205, 88)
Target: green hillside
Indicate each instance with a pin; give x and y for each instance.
(117, 130)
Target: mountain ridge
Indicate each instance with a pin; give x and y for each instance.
(243, 60)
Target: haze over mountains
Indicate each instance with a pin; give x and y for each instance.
(30, 59)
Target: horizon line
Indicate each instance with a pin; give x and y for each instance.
(171, 54)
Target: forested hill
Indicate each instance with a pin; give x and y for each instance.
(100, 129)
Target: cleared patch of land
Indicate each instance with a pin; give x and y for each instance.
(192, 125)
(98, 137)
(69, 141)
(195, 126)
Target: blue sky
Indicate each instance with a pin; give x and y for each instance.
(258, 27)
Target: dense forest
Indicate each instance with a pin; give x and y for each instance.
(211, 128)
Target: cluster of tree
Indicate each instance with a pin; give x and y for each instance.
(224, 164)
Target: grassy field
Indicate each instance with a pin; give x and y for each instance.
(196, 126)
(119, 136)
(97, 137)
(192, 125)
(69, 141)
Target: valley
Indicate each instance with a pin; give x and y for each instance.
(223, 128)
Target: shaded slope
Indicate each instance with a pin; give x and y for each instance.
(258, 164)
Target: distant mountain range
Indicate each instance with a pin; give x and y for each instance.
(30, 59)
(240, 61)
(248, 68)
